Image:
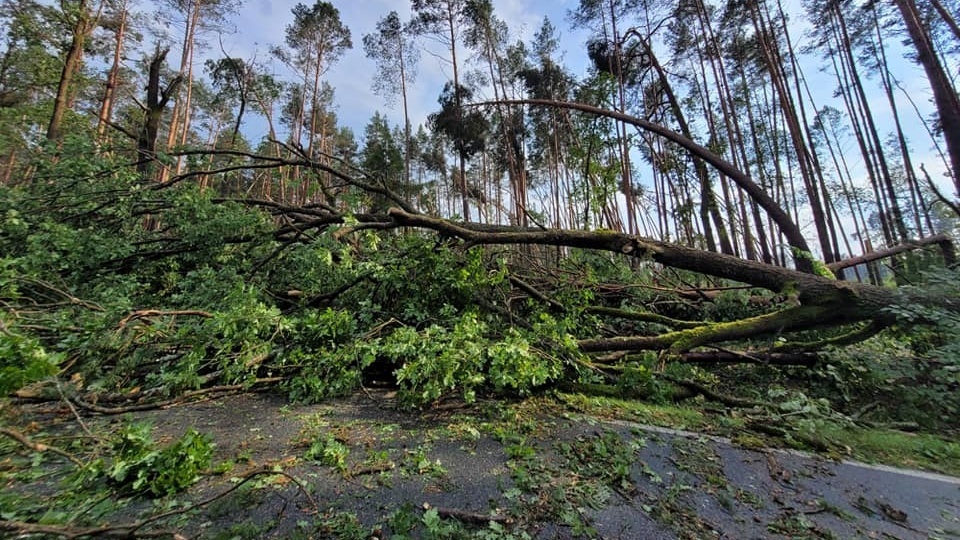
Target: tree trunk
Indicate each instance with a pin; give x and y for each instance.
(818, 301)
(84, 24)
(157, 100)
(944, 96)
(708, 199)
(406, 114)
(106, 106)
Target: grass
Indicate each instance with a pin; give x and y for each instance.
(674, 417)
(871, 445)
(897, 448)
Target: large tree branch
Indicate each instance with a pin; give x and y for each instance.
(787, 227)
(941, 240)
(681, 341)
(821, 301)
(773, 278)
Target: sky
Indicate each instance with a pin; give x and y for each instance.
(261, 23)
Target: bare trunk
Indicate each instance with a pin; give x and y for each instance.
(944, 96)
(787, 227)
(82, 27)
(406, 114)
(157, 99)
(709, 208)
(106, 106)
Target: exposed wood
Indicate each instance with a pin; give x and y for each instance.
(157, 99)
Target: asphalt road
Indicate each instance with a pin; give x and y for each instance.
(559, 479)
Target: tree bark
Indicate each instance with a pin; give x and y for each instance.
(157, 99)
(814, 301)
(84, 24)
(106, 106)
(944, 96)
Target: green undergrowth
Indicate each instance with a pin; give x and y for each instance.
(812, 430)
(910, 450)
(124, 289)
(78, 480)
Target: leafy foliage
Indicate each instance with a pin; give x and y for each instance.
(138, 466)
(23, 360)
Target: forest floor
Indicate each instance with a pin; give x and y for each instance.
(360, 468)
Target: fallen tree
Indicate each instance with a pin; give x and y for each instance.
(811, 300)
(319, 296)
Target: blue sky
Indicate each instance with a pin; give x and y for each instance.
(261, 23)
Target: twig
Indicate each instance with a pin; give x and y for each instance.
(133, 530)
(179, 400)
(249, 476)
(71, 298)
(73, 409)
(39, 447)
(532, 291)
(144, 313)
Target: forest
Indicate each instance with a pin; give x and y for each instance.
(741, 203)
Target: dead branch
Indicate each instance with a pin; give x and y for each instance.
(941, 240)
(466, 516)
(532, 291)
(39, 447)
(146, 313)
(182, 399)
(66, 295)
